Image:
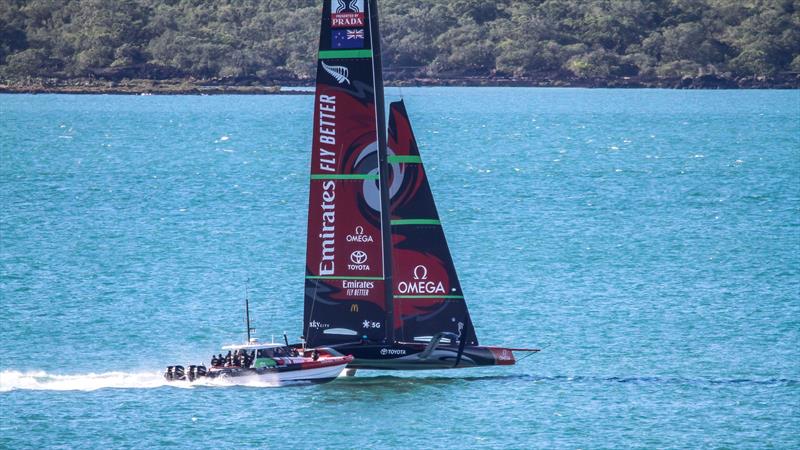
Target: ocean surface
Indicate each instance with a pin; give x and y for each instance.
(647, 240)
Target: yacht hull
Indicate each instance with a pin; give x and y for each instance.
(413, 356)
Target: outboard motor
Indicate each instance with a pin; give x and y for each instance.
(168, 374)
(178, 373)
(191, 375)
(196, 372)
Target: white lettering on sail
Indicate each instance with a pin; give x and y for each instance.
(358, 259)
(357, 284)
(421, 285)
(359, 236)
(357, 288)
(327, 132)
(317, 324)
(328, 205)
(327, 160)
(347, 13)
(327, 163)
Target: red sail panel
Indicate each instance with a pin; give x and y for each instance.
(344, 292)
(427, 294)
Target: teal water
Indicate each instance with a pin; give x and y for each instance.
(647, 240)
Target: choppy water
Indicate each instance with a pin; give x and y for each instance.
(648, 240)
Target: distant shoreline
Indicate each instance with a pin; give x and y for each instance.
(231, 87)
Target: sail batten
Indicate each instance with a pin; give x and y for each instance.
(344, 54)
(407, 159)
(416, 222)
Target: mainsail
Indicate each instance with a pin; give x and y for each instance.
(375, 268)
(345, 290)
(427, 294)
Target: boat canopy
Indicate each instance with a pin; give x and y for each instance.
(252, 346)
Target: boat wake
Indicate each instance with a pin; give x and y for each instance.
(11, 380)
(406, 381)
(40, 380)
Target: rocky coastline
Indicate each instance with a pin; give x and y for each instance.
(190, 86)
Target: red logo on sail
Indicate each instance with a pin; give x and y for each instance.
(347, 13)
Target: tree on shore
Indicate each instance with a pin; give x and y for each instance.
(270, 40)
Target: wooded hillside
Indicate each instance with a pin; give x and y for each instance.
(270, 41)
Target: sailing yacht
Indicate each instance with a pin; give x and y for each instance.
(380, 282)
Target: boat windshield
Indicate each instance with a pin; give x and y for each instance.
(276, 352)
(265, 353)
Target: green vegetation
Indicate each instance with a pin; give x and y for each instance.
(271, 41)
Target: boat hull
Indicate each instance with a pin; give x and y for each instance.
(413, 356)
(294, 370)
(317, 375)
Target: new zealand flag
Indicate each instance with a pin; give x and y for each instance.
(348, 39)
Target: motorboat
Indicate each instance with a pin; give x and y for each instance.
(270, 363)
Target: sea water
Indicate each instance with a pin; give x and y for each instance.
(648, 241)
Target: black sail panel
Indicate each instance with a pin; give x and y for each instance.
(427, 294)
(345, 292)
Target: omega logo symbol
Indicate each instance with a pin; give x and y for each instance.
(420, 273)
(359, 230)
(358, 257)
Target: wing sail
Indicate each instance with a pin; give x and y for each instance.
(345, 293)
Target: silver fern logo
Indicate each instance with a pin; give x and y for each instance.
(340, 73)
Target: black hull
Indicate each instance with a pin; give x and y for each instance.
(412, 356)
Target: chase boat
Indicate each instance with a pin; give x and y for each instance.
(270, 363)
(266, 362)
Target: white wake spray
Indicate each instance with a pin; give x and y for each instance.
(42, 381)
